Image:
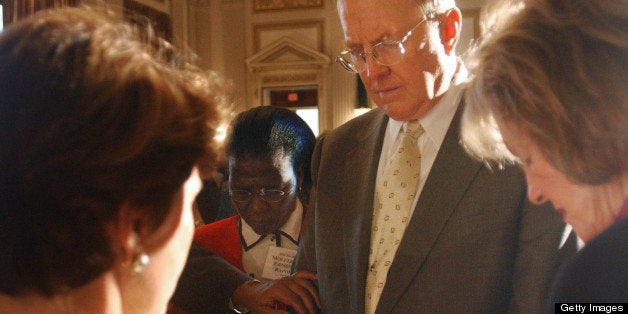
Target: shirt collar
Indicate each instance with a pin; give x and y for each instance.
(292, 227)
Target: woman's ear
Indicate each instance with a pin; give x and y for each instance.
(303, 194)
(126, 239)
(450, 30)
(136, 234)
(299, 175)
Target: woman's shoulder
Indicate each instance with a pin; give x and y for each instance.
(599, 272)
(613, 240)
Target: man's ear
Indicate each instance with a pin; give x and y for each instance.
(450, 30)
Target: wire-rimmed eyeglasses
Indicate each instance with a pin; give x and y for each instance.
(268, 195)
(388, 52)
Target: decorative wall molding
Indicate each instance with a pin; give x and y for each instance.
(309, 32)
(288, 63)
(284, 54)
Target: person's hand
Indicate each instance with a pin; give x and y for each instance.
(296, 291)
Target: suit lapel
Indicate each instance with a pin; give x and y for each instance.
(452, 172)
(363, 160)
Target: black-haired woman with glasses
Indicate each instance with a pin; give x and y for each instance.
(269, 151)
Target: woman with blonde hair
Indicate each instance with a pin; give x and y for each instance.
(550, 92)
(102, 128)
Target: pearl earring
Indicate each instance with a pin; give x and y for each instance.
(140, 261)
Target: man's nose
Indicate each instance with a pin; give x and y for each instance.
(257, 202)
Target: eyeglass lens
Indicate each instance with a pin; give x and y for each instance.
(270, 195)
(384, 53)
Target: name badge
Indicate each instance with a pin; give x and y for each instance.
(278, 262)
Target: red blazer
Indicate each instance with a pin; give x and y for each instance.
(222, 238)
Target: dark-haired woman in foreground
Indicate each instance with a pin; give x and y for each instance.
(100, 136)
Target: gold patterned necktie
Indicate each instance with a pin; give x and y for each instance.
(394, 196)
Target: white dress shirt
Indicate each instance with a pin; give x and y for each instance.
(435, 123)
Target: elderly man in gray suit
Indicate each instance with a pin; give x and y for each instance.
(405, 221)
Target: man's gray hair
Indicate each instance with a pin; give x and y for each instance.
(429, 7)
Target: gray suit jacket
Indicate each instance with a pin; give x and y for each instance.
(473, 245)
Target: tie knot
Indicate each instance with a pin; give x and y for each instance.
(414, 128)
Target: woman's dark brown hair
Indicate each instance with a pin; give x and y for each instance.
(95, 113)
